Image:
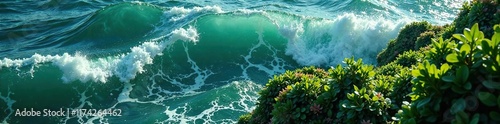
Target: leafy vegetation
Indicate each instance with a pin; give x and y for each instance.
(454, 79)
(404, 42)
(282, 85)
(483, 12)
(462, 88)
(419, 34)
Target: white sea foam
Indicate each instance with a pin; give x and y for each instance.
(189, 34)
(182, 13)
(328, 42)
(125, 67)
(277, 64)
(243, 96)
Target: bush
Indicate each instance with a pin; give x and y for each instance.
(266, 101)
(401, 88)
(463, 89)
(294, 104)
(389, 69)
(404, 42)
(356, 104)
(424, 39)
(409, 58)
(364, 105)
(245, 118)
(483, 12)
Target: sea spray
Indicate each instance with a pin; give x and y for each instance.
(323, 42)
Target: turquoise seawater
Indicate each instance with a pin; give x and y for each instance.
(191, 61)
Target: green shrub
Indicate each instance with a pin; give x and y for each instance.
(401, 89)
(264, 106)
(245, 118)
(424, 39)
(340, 84)
(404, 42)
(295, 104)
(390, 69)
(463, 89)
(364, 104)
(448, 31)
(351, 101)
(483, 12)
(409, 58)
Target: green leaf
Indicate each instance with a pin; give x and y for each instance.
(487, 98)
(475, 119)
(477, 63)
(486, 46)
(465, 48)
(497, 28)
(445, 86)
(375, 98)
(359, 109)
(416, 73)
(467, 34)
(495, 39)
(458, 89)
(423, 102)
(411, 121)
(462, 73)
(350, 114)
(452, 58)
(431, 119)
(459, 105)
(491, 84)
(476, 34)
(371, 74)
(436, 107)
(444, 68)
(432, 69)
(460, 37)
(495, 116)
(468, 86)
(462, 117)
(366, 96)
(448, 78)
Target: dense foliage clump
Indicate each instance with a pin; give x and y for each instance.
(430, 76)
(484, 12)
(341, 95)
(419, 34)
(456, 81)
(279, 86)
(464, 89)
(405, 41)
